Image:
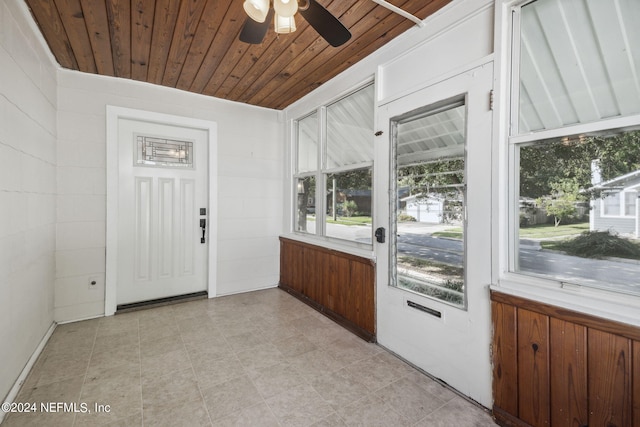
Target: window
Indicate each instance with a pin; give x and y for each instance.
(611, 205)
(334, 196)
(620, 204)
(575, 144)
(163, 152)
(630, 198)
(429, 184)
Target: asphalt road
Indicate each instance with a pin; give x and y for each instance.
(604, 273)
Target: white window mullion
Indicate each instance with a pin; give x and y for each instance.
(321, 185)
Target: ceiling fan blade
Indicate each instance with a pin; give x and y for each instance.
(327, 25)
(253, 32)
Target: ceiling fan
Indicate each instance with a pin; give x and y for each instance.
(262, 12)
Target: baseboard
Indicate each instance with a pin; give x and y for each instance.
(27, 368)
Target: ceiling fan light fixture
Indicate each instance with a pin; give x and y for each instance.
(285, 8)
(256, 9)
(284, 24)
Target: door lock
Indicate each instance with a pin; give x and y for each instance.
(380, 234)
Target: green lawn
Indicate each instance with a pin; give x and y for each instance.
(547, 231)
(353, 220)
(542, 231)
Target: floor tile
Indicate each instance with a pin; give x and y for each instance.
(210, 372)
(460, 413)
(164, 363)
(299, 406)
(227, 398)
(262, 358)
(295, 345)
(192, 413)
(275, 380)
(258, 415)
(371, 411)
(339, 388)
(409, 399)
(166, 389)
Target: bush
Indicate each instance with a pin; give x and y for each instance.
(600, 244)
(349, 208)
(405, 218)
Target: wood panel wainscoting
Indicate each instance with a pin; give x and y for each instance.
(338, 284)
(556, 367)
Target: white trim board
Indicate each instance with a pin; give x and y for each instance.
(114, 114)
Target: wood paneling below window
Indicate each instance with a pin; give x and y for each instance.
(556, 367)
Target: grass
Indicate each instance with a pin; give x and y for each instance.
(547, 231)
(541, 231)
(353, 220)
(452, 233)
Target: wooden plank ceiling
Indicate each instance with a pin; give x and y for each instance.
(193, 44)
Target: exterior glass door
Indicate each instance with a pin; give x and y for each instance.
(433, 194)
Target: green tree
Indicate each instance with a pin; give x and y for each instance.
(545, 164)
(562, 201)
(349, 208)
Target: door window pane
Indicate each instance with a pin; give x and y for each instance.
(349, 205)
(428, 254)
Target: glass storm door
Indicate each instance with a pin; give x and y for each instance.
(433, 272)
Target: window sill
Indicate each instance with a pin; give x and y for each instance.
(357, 249)
(608, 305)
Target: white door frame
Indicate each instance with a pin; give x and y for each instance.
(114, 114)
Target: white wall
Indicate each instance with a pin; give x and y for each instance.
(27, 191)
(250, 157)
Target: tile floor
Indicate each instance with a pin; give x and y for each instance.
(255, 359)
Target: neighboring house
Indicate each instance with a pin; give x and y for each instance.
(618, 209)
(425, 209)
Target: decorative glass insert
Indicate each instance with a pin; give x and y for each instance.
(163, 152)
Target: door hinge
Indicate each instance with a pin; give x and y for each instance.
(491, 100)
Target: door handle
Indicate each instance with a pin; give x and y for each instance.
(380, 234)
(203, 225)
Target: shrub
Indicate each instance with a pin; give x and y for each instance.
(405, 218)
(600, 244)
(349, 208)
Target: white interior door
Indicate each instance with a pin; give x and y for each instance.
(162, 187)
(433, 182)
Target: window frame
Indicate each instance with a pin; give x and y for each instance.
(548, 289)
(322, 172)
